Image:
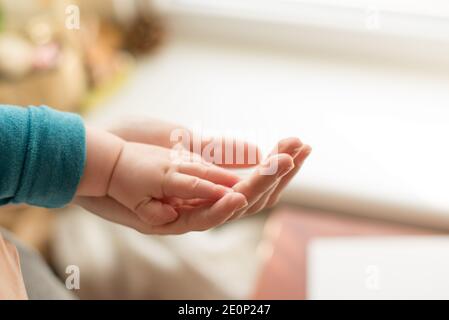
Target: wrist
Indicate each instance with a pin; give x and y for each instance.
(103, 150)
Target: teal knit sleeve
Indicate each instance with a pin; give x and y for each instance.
(42, 156)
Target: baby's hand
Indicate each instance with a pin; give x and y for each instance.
(149, 180)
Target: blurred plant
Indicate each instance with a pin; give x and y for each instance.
(145, 33)
(43, 62)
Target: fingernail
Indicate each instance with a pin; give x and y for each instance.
(222, 190)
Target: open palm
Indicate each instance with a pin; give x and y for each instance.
(252, 195)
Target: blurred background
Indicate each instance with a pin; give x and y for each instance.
(365, 82)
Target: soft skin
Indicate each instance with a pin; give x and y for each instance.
(131, 178)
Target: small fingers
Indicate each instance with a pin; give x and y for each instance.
(205, 218)
(155, 213)
(211, 173)
(219, 212)
(197, 219)
(189, 187)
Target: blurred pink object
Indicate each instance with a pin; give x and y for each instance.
(286, 237)
(46, 56)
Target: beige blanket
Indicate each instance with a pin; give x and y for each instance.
(117, 262)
